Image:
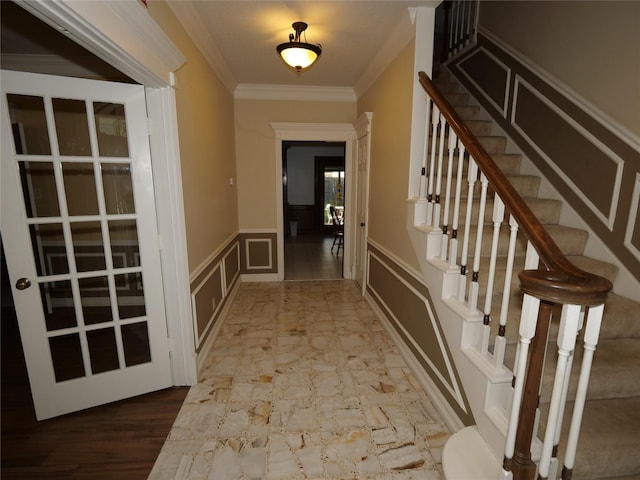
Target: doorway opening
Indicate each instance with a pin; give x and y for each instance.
(313, 185)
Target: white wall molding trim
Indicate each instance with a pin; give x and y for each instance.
(503, 109)
(121, 33)
(199, 336)
(201, 357)
(303, 93)
(633, 215)
(247, 247)
(607, 219)
(605, 119)
(207, 261)
(167, 177)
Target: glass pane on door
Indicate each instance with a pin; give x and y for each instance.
(80, 188)
(39, 185)
(111, 126)
(118, 190)
(72, 127)
(49, 250)
(29, 125)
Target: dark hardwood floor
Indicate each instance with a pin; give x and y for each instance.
(119, 440)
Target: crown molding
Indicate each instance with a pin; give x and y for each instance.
(192, 22)
(246, 91)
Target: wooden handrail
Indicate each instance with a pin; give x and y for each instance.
(561, 282)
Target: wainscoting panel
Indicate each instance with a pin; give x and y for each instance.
(632, 235)
(231, 267)
(592, 161)
(258, 253)
(490, 76)
(210, 289)
(406, 303)
(576, 155)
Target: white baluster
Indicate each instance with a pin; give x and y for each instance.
(531, 262)
(453, 253)
(472, 175)
(500, 341)
(425, 153)
(553, 466)
(569, 322)
(438, 186)
(453, 140)
(497, 217)
(473, 292)
(431, 173)
(591, 334)
(528, 321)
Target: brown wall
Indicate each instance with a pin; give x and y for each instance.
(591, 46)
(596, 170)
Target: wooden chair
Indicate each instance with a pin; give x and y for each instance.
(338, 230)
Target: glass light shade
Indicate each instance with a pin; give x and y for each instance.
(299, 55)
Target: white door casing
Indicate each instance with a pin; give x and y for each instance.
(363, 132)
(110, 342)
(328, 132)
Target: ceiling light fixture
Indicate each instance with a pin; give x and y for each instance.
(296, 53)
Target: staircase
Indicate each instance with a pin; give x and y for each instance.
(609, 442)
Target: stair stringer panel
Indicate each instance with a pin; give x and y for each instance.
(487, 389)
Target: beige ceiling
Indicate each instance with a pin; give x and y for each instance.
(239, 37)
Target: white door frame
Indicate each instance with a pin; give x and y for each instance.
(124, 35)
(326, 132)
(363, 131)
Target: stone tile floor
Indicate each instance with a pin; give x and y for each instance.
(303, 382)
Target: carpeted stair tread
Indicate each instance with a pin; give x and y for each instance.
(604, 269)
(525, 185)
(546, 210)
(615, 372)
(480, 127)
(457, 99)
(570, 240)
(620, 318)
(609, 442)
(509, 163)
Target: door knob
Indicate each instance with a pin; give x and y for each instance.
(23, 284)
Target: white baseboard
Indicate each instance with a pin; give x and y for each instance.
(259, 277)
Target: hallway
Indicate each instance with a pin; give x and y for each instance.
(309, 257)
(303, 382)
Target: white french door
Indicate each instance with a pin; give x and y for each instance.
(79, 229)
